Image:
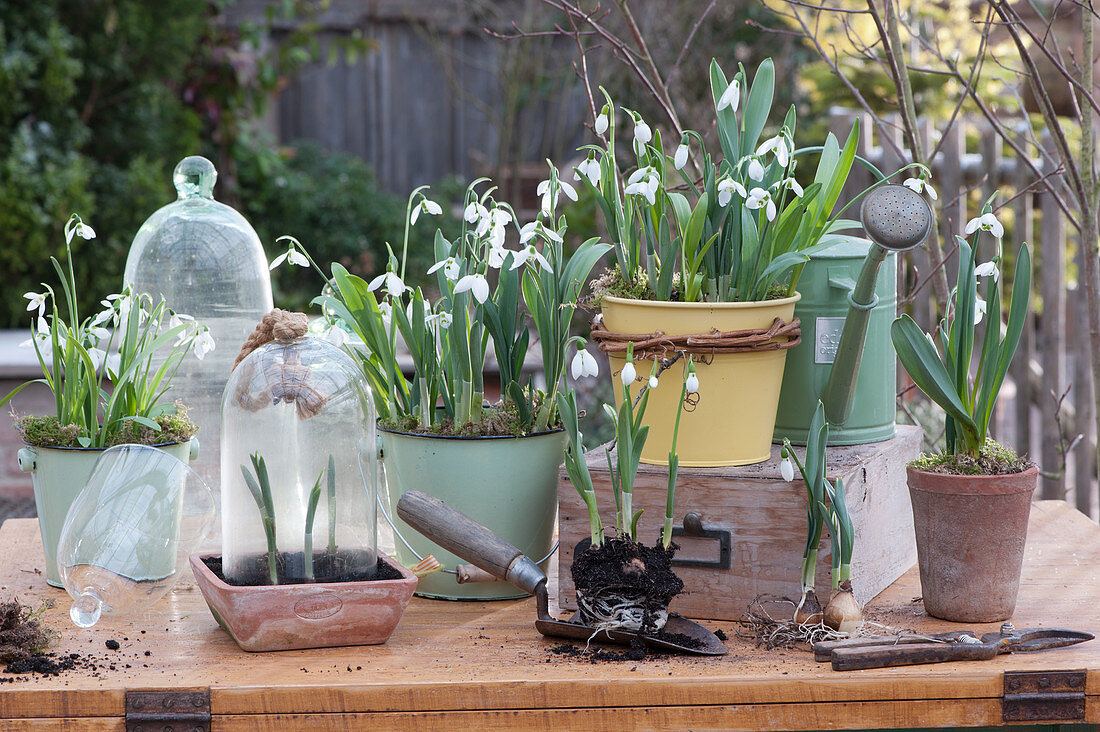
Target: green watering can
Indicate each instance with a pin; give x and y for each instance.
(849, 300)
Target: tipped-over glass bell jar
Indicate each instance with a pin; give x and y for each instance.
(206, 261)
(298, 461)
(128, 533)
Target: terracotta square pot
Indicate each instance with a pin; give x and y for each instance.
(322, 615)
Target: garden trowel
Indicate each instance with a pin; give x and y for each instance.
(464, 537)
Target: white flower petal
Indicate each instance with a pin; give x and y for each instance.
(756, 170)
(601, 124)
(681, 158)
(652, 382)
(628, 374)
(692, 383)
(277, 261)
(297, 258)
(731, 97)
(786, 469)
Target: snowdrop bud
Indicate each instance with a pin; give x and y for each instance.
(692, 383)
(628, 374)
(652, 382)
(681, 154)
(601, 121)
(786, 468)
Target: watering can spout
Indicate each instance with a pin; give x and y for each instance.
(896, 219)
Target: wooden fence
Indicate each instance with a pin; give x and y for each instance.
(1053, 360)
(436, 95)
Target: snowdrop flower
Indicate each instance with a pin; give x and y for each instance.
(726, 187)
(584, 364)
(590, 169)
(731, 97)
(78, 229)
(987, 269)
(98, 356)
(202, 345)
(985, 222)
(920, 185)
(759, 198)
(293, 255)
(450, 268)
(644, 182)
(550, 202)
(779, 145)
(628, 373)
(475, 212)
(691, 382)
(756, 170)
(178, 319)
(786, 467)
(103, 316)
(393, 284)
(601, 121)
(36, 301)
(529, 252)
(386, 310)
(336, 335)
(476, 284)
(41, 334)
(427, 206)
(99, 334)
(497, 255)
(681, 157)
(528, 231)
(793, 185)
(979, 309)
(652, 382)
(445, 319)
(642, 133)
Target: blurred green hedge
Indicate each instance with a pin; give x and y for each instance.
(99, 99)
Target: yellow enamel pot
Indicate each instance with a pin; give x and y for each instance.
(733, 420)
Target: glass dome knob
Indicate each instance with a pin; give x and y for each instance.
(195, 176)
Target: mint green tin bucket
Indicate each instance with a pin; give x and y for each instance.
(508, 484)
(58, 474)
(825, 283)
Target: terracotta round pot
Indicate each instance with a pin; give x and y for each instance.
(971, 531)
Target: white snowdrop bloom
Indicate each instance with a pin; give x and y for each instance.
(786, 468)
(601, 122)
(529, 252)
(392, 284)
(985, 222)
(584, 364)
(36, 301)
(726, 188)
(589, 168)
(760, 198)
(652, 382)
(692, 383)
(987, 269)
(449, 266)
(731, 97)
(756, 170)
(681, 157)
(920, 185)
(779, 145)
(476, 284)
(426, 206)
(202, 345)
(628, 374)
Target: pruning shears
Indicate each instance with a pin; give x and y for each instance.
(960, 645)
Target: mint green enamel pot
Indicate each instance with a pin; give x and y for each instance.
(508, 484)
(58, 474)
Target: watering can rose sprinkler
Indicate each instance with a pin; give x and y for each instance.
(896, 218)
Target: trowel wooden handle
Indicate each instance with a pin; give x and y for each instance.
(850, 659)
(466, 538)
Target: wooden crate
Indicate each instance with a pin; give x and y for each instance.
(764, 520)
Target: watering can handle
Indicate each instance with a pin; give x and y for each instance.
(469, 540)
(841, 389)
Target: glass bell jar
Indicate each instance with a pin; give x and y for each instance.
(206, 261)
(298, 465)
(127, 535)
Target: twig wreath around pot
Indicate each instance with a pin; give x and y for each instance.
(109, 375)
(709, 263)
(970, 503)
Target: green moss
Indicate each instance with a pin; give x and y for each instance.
(495, 422)
(48, 432)
(993, 459)
(611, 284)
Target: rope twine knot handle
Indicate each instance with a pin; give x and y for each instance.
(288, 381)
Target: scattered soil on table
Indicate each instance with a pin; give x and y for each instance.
(621, 568)
(344, 566)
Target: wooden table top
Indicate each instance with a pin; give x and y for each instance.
(462, 665)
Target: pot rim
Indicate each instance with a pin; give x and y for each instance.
(427, 436)
(198, 564)
(740, 305)
(101, 449)
(955, 484)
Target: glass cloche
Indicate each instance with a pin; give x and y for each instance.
(298, 462)
(206, 261)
